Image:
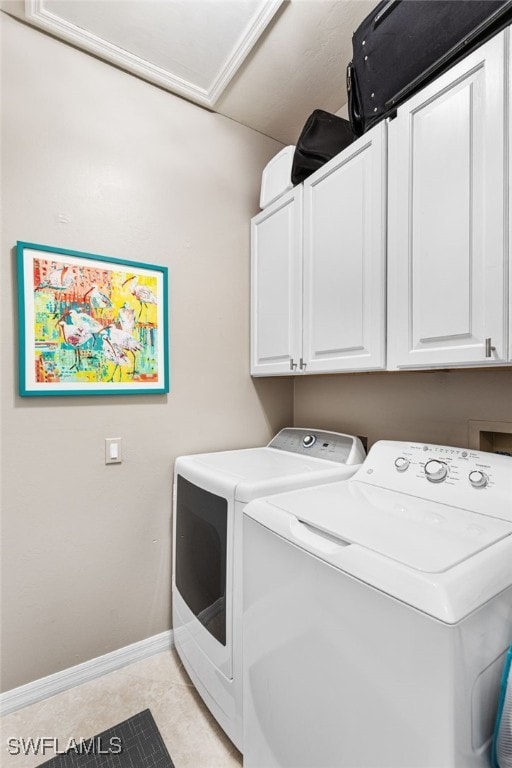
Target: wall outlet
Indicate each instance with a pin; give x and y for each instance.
(113, 450)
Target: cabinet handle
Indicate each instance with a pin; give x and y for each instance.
(489, 349)
(302, 364)
(292, 365)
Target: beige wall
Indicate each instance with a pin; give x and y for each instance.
(96, 160)
(433, 406)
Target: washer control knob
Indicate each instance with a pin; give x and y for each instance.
(308, 441)
(401, 464)
(436, 471)
(478, 479)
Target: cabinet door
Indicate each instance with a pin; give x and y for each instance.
(276, 286)
(344, 259)
(446, 247)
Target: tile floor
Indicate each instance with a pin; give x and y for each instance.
(160, 683)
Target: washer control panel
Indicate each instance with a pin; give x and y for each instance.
(473, 480)
(334, 446)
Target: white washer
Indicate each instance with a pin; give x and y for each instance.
(377, 613)
(210, 492)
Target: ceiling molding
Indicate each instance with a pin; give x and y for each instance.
(243, 48)
(37, 14)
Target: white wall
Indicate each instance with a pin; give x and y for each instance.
(99, 161)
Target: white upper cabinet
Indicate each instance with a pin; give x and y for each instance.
(344, 259)
(447, 291)
(318, 295)
(276, 286)
(436, 180)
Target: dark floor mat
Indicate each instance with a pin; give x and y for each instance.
(134, 743)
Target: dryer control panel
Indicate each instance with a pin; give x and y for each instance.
(474, 480)
(333, 446)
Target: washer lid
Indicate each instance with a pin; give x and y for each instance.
(255, 472)
(426, 536)
(441, 560)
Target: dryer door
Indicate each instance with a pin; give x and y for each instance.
(201, 554)
(202, 588)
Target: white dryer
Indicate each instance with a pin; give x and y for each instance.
(210, 493)
(377, 614)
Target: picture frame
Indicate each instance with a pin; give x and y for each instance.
(90, 324)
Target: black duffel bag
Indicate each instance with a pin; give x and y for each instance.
(404, 44)
(323, 136)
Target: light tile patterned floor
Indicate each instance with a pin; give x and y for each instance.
(191, 734)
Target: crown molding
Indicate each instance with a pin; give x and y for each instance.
(39, 16)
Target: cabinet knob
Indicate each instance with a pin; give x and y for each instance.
(489, 349)
(292, 365)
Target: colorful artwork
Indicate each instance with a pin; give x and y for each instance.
(90, 324)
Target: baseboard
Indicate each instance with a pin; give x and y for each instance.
(17, 698)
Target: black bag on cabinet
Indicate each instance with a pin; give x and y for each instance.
(404, 44)
(323, 136)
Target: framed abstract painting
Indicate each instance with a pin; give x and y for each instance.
(91, 325)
